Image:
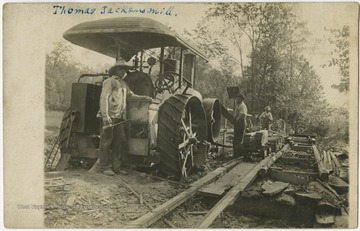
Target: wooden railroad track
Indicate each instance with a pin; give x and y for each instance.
(236, 174)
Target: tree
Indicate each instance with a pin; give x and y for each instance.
(60, 72)
(340, 55)
(273, 68)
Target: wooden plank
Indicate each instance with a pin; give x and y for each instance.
(228, 180)
(286, 177)
(231, 196)
(63, 162)
(160, 211)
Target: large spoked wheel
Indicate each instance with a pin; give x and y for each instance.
(182, 135)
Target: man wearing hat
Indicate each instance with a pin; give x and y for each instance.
(266, 118)
(112, 111)
(240, 113)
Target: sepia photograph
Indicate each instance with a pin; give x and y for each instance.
(238, 115)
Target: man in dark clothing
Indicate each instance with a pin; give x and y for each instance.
(240, 124)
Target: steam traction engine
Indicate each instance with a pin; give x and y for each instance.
(176, 131)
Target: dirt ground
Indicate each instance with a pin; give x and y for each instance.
(78, 199)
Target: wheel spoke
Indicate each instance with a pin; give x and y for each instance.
(183, 144)
(192, 155)
(183, 169)
(185, 128)
(190, 121)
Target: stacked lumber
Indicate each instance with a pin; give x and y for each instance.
(328, 164)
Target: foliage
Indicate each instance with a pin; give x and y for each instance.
(268, 42)
(60, 72)
(340, 56)
(339, 119)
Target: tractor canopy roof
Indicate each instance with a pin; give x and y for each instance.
(132, 34)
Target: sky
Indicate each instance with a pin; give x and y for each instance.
(186, 16)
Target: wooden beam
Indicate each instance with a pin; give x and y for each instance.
(218, 188)
(295, 160)
(157, 213)
(274, 158)
(295, 172)
(198, 212)
(301, 147)
(286, 177)
(232, 195)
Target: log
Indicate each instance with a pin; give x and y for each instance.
(327, 162)
(323, 173)
(231, 196)
(157, 213)
(338, 184)
(274, 158)
(341, 173)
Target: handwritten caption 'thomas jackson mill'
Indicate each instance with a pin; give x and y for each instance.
(61, 9)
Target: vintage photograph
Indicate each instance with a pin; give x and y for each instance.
(181, 115)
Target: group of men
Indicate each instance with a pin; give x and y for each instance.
(114, 95)
(240, 114)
